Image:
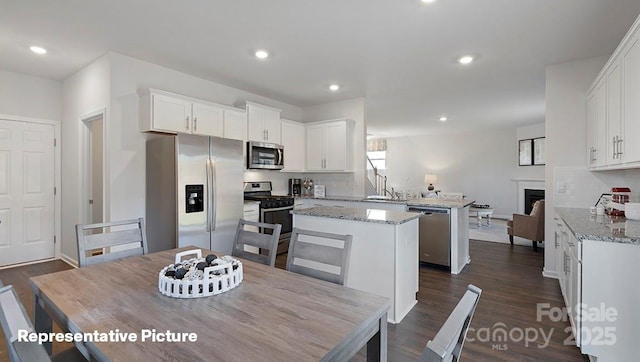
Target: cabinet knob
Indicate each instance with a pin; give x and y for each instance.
(195, 123)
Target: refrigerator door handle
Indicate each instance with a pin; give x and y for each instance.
(211, 190)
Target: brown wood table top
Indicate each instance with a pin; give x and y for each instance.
(272, 315)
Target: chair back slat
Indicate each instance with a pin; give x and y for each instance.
(317, 260)
(448, 342)
(107, 240)
(12, 314)
(319, 253)
(264, 242)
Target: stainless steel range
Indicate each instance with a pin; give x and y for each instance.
(274, 209)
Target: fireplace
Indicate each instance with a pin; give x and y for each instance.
(530, 198)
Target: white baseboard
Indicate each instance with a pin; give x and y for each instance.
(26, 263)
(549, 274)
(69, 260)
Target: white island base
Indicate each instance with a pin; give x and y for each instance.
(384, 257)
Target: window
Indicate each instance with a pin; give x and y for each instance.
(378, 159)
(377, 153)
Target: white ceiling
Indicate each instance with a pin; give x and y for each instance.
(399, 54)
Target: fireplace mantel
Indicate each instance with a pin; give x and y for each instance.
(525, 183)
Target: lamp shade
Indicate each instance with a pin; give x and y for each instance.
(430, 178)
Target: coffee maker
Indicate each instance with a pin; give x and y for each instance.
(295, 186)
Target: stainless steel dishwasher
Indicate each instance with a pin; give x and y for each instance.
(434, 235)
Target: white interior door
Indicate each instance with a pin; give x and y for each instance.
(26, 192)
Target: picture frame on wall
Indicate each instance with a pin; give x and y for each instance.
(525, 156)
(539, 151)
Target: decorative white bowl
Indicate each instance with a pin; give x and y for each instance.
(215, 279)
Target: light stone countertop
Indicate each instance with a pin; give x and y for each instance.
(586, 226)
(359, 214)
(429, 202)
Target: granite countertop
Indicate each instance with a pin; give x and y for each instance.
(431, 202)
(359, 214)
(451, 203)
(586, 226)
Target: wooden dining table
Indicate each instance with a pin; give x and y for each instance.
(272, 315)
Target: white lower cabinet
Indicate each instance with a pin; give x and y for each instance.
(599, 283)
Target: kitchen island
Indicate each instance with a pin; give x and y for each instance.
(384, 252)
(458, 211)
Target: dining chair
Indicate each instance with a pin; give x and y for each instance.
(108, 245)
(319, 260)
(13, 319)
(448, 342)
(260, 242)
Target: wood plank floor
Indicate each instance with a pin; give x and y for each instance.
(512, 284)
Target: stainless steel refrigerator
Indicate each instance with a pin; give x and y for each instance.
(194, 192)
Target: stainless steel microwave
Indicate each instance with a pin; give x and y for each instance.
(265, 156)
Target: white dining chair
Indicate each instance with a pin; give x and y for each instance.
(319, 261)
(448, 342)
(262, 242)
(14, 318)
(98, 243)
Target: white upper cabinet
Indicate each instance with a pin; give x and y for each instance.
(235, 124)
(170, 114)
(614, 115)
(630, 145)
(330, 146)
(613, 108)
(207, 120)
(601, 123)
(263, 123)
(166, 112)
(294, 142)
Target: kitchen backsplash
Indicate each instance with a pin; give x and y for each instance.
(336, 184)
(583, 187)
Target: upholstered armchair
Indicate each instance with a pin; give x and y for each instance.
(528, 226)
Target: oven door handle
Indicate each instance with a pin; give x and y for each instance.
(277, 209)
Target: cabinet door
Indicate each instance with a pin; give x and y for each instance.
(336, 148)
(630, 146)
(601, 123)
(272, 125)
(235, 124)
(255, 124)
(207, 120)
(316, 141)
(591, 129)
(171, 114)
(614, 114)
(575, 272)
(293, 140)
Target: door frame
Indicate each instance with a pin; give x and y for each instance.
(85, 163)
(57, 211)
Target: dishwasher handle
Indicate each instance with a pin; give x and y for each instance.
(428, 211)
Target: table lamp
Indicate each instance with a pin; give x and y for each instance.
(430, 179)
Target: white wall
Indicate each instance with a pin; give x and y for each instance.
(482, 165)
(28, 96)
(345, 184)
(85, 92)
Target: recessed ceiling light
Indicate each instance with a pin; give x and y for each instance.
(465, 59)
(262, 54)
(428, 1)
(38, 50)
(443, 119)
(334, 87)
